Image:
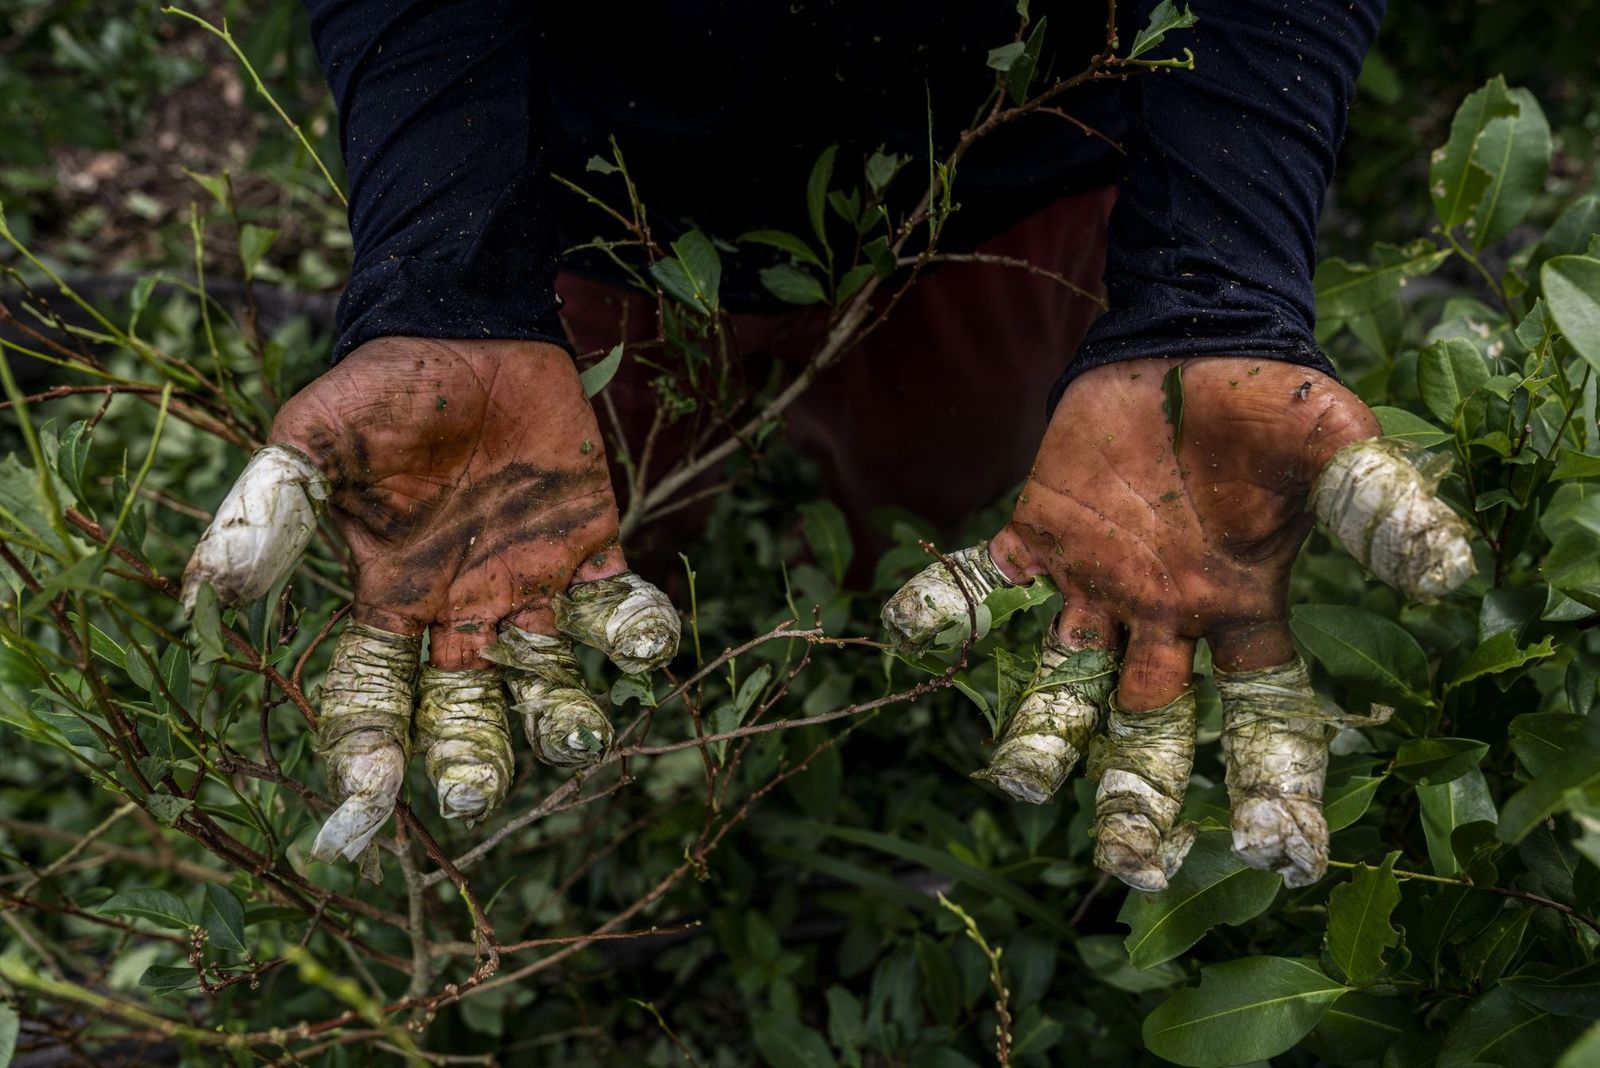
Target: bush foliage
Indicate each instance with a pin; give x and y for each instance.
(785, 862)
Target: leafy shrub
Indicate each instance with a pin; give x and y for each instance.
(833, 892)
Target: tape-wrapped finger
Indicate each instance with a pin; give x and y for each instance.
(934, 599)
(260, 529)
(1142, 764)
(1386, 513)
(623, 616)
(1050, 730)
(363, 734)
(1275, 738)
(466, 745)
(564, 724)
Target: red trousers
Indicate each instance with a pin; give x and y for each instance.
(940, 409)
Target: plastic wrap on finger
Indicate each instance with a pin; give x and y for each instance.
(1142, 764)
(933, 600)
(1050, 730)
(1275, 738)
(363, 734)
(466, 745)
(564, 724)
(623, 616)
(260, 529)
(1387, 515)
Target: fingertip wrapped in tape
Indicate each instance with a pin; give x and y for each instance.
(623, 616)
(461, 729)
(1142, 764)
(564, 724)
(1388, 516)
(363, 734)
(934, 599)
(260, 529)
(1050, 730)
(1275, 738)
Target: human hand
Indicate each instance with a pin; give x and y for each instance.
(470, 483)
(1157, 539)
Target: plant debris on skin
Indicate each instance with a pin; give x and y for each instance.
(466, 744)
(933, 600)
(260, 529)
(1275, 738)
(559, 714)
(1388, 516)
(1142, 764)
(623, 616)
(1050, 730)
(363, 735)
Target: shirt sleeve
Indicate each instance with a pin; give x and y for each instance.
(1213, 237)
(441, 122)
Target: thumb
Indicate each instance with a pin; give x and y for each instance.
(260, 529)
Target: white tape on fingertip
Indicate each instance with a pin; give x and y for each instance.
(260, 529)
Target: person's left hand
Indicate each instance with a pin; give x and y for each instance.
(1157, 539)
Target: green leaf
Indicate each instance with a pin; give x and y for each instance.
(791, 284)
(1515, 153)
(1172, 403)
(817, 193)
(601, 165)
(597, 376)
(1432, 761)
(215, 184)
(1004, 57)
(784, 241)
(1500, 1028)
(1448, 371)
(1540, 738)
(1345, 290)
(1244, 1010)
(1498, 654)
(169, 978)
(853, 280)
(254, 241)
(940, 987)
(785, 1042)
(1464, 799)
(1456, 182)
(701, 265)
(1365, 651)
(1019, 78)
(882, 167)
(1570, 992)
(1359, 1027)
(166, 808)
(828, 534)
(222, 915)
(1358, 921)
(10, 1025)
(880, 255)
(1213, 887)
(1349, 801)
(1107, 960)
(157, 906)
(1575, 771)
(847, 1025)
(1584, 1053)
(1166, 17)
(1409, 427)
(677, 284)
(1572, 289)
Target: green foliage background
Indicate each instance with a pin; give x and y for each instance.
(1456, 928)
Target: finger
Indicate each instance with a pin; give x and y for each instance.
(564, 724)
(363, 734)
(937, 597)
(1386, 514)
(623, 616)
(461, 729)
(1157, 666)
(260, 529)
(1142, 764)
(1275, 739)
(1063, 704)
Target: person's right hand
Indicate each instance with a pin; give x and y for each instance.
(470, 482)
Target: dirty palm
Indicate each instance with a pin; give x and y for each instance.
(469, 485)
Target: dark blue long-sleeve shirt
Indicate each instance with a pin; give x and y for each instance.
(453, 114)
